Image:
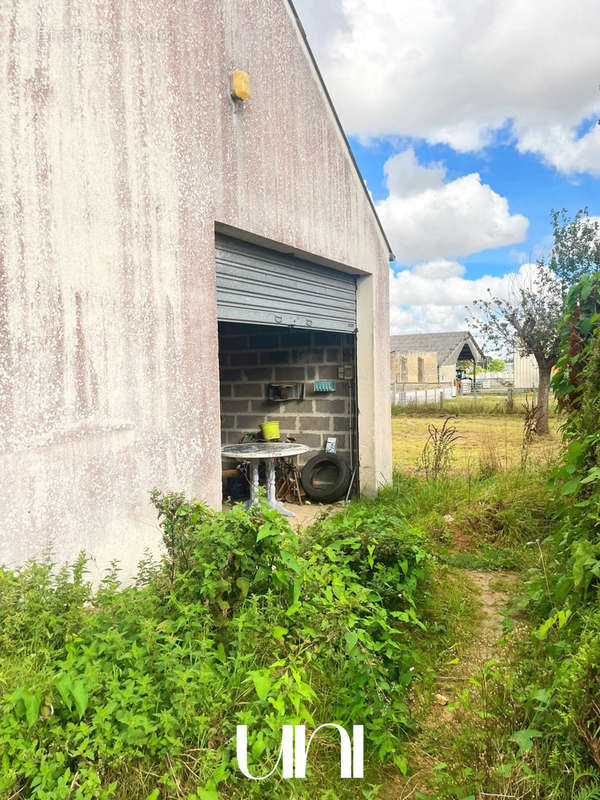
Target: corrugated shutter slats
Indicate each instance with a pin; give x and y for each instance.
(265, 287)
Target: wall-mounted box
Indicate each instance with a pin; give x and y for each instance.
(280, 392)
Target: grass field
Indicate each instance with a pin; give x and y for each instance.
(477, 405)
(486, 439)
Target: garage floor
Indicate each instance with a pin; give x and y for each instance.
(305, 514)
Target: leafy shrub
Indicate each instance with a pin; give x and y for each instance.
(134, 692)
(559, 664)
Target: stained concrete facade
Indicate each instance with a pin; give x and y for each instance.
(121, 151)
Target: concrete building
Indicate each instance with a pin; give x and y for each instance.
(434, 356)
(168, 252)
(526, 373)
(414, 367)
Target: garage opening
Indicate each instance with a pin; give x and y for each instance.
(287, 355)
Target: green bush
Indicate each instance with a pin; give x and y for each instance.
(135, 692)
(559, 666)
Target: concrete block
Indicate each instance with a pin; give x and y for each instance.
(259, 374)
(230, 375)
(296, 339)
(326, 338)
(244, 359)
(333, 405)
(264, 341)
(314, 355)
(285, 373)
(265, 406)
(256, 390)
(249, 422)
(235, 342)
(327, 372)
(234, 406)
(275, 357)
(315, 423)
(341, 423)
(314, 440)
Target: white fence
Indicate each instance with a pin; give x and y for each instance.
(421, 396)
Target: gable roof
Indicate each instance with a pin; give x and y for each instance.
(391, 255)
(449, 346)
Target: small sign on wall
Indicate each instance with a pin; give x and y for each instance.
(331, 445)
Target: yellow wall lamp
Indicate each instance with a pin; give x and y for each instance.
(240, 84)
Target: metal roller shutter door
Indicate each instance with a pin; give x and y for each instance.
(264, 287)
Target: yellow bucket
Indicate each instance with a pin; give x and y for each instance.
(270, 430)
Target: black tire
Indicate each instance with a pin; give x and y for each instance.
(325, 477)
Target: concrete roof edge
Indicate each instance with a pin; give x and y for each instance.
(290, 3)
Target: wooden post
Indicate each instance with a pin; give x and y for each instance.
(441, 399)
(509, 400)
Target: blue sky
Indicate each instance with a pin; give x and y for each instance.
(470, 121)
(531, 187)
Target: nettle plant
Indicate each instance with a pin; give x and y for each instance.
(562, 705)
(135, 692)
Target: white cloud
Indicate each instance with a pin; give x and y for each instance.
(404, 175)
(561, 148)
(434, 296)
(460, 71)
(440, 268)
(428, 219)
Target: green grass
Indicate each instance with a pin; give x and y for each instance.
(187, 653)
(486, 443)
(473, 523)
(476, 405)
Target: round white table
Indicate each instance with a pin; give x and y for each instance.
(255, 452)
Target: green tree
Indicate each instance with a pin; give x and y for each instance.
(496, 365)
(528, 319)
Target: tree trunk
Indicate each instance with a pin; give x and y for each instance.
(541, 416)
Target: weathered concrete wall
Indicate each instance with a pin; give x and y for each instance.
(447, 373)
(120, 147)
(414, 367)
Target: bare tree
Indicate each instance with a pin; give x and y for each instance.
(528, 318)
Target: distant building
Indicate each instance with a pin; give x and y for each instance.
(414, 367)
(431, 358)
(526, 373)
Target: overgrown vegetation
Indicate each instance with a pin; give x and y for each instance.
(527, 725)
(471, 405)
(563, 597)
(135, 692)
(438, 452)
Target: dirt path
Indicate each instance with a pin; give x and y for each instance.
(491, 593)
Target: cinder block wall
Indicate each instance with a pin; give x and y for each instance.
(252, 356)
